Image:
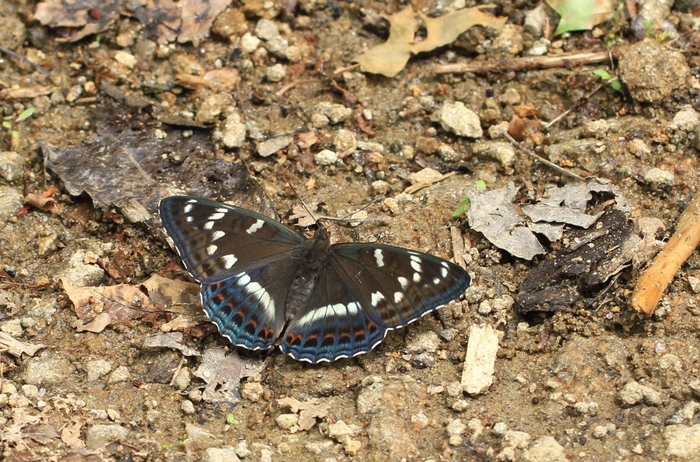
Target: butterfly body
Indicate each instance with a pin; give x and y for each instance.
(261, 280)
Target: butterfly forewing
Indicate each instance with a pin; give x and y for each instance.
(365, 290)
(216, 240)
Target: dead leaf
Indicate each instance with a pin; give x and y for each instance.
(20, 419)
(581, 14)
(26, 92)
(96, 325)
(15, 347)
(445, 29)
(308, 412)
(391, 57)
(171, 340)
(197, 18)
(70, 434)
(223, 373)
(41, 433)
(169, 293)
(493, 214)
(181, 323)
(121, 302)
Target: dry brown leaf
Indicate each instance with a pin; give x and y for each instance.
(308, 412)
(70, 434)
(445, 29)
(15, 347)
(95, 326)
(121, 302)
(390, 57)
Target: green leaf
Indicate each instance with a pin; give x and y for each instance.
(231, 420)
(603, 74)
(581, 14)
(615, 85)
(27, 113)
(481, 185)
(6, 125)
(462, 209)
(15, 134)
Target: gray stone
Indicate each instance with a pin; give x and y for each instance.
(336, 113)
(652, 72)
(277, 46)
(97, 368)
(276, 73)
(82, 274)
(10, 202)
(659, 179)
(517, 439)
(634, 393)
(11, 165)
(502, 152)
(252, 391)
(98, 436)
(423, 342)
(455, 429)
(345, 142)
(47, 370)
(220, 455)
(249, 43)
(273, 145)
(233, 131)
(545, 449)
(266, 29)
(458, 119)
(286, 421)
(683, 441)
(326, 157)
(687, 119)
(120, 374)
(187, 407)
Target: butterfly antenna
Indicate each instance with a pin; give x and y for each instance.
(345, 219)
(311, 214)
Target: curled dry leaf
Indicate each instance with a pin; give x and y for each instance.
(308, 412)
(390, 57)
(445, 29)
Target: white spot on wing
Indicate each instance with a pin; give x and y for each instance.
(188, 208)
(192, 201)
(255, 226)
(376, 298)
(323, 312)
(416, 277)
(211, 249)
(217, 235)
(217, 216)
(379, 256)
(243, 279)
(436, 281)
(403, 281)
(398, 297)
(415, 263)
(189, 219)
(256, 290)
(229, 261)
(443, 272)
(208, 225)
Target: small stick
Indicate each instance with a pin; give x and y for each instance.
(653, 282)
(21, 58)
(530, 62)
(541, 159)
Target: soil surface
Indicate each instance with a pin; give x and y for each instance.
(592, 381)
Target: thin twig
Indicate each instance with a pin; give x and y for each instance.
(288, 87)
(21, 58)
(575, 105)
(541, 159)
(530, 62)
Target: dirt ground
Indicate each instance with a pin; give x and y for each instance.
(595, 381)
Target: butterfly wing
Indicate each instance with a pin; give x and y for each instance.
(245, 261)
(362, 292)
(248, 308)
(217, 241)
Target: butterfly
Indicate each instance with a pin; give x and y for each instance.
(262, 281)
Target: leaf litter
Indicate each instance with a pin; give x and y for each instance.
(581, 14)
(390, 57)
(308, 412)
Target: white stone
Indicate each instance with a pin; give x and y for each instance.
(125, 58)
(480, 359)
(458, 119)
(326, 157)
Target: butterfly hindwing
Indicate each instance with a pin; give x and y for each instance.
(362, 292)
(216, 240)
(249, 307)
(333, 324)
